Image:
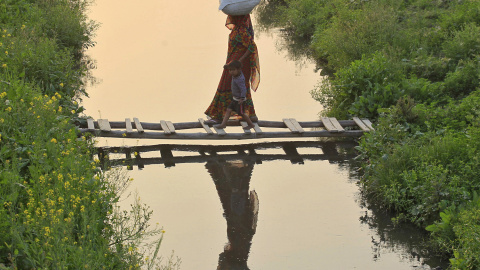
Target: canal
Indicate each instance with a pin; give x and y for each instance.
(162, 60)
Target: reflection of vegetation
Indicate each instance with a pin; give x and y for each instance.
(404, 237)
(267, 18)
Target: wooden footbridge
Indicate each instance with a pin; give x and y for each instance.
(171, 154)
(327, 127)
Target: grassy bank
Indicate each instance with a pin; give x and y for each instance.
(413, 67)
(57, 208)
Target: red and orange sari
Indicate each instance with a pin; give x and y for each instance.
(239, 41)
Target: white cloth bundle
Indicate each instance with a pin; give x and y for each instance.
(237, 7)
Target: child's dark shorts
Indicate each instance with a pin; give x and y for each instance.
(237, 107)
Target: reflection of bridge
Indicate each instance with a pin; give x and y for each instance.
(132, 156)
(327, 127)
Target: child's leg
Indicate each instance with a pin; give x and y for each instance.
(228, 112)
(249, 122)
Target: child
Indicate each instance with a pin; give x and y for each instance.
(239, 92)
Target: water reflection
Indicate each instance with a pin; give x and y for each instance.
(240, 206)
(298, 47)
(404, 236)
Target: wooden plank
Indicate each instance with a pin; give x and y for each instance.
(361, 124)
(90, 124)
(104, 125)
(336, 124)
(128, 125)
(257, 129)
(220, 131)
(207, 128)
(165, 128)
(368, 123)
(170, 126)
(290, 125)
(228, 136)
(328, 124)
(296, 125)
(138, 125)
(244, 125)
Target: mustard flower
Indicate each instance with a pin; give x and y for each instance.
(4, 65)
(53, 140)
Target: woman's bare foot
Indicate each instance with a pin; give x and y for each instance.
(249, 126)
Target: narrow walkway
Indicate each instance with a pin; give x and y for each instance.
(291, 128)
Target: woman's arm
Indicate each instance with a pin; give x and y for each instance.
(245, 55)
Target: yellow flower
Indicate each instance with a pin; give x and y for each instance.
(53, 140)
(9, 109)
(4, 65)
(6, 52)
(2, 120)
(61, 84)
(124, 135)
(59, 108)
(4, 94)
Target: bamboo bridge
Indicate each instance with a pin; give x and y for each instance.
(287, 128)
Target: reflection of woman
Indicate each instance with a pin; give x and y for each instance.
(232, 180)
(242, 47)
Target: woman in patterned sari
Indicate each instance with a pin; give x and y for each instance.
(242, 47)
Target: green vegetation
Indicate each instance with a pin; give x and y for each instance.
(413, 67)
(57, 208)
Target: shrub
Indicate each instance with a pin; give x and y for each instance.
(465, 43)
(356, 33)
(463, 80)
(369, 84)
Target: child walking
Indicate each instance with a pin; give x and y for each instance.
(239, 92)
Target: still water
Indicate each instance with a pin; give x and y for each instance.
(162, 60)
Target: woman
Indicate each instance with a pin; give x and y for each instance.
(241, 46)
